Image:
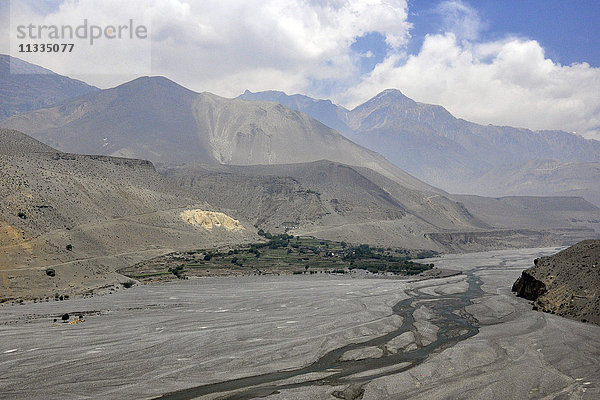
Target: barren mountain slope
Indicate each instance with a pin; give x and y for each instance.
(533, 212)
(148, 118)
(543, 178)
(86, 215)
(14, 142)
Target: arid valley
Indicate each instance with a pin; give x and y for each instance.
(276, 337)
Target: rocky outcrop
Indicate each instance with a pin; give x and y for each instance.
(566, 284)
(210, 219)
(528, 287)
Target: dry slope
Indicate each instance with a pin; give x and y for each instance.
(85, 216)
(341, 202)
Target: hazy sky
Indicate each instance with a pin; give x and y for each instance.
(532, 63)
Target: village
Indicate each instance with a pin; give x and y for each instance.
(281, 254)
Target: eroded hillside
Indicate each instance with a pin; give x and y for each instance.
(340, 202)
(84, 216)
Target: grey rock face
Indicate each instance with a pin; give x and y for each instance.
(528, 287)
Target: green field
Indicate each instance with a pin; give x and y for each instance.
(281, 254)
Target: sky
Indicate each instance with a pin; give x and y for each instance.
(532, 64)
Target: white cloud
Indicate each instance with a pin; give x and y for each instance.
(505, 82)
(460, 19)
(226, 46)
(107, 60)
(257, 44)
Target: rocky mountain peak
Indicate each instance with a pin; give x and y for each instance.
(156, 84)
(390, 96)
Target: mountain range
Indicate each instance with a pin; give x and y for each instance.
(156, 119)
(456, 155)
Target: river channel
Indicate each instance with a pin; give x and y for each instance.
(332, 369)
